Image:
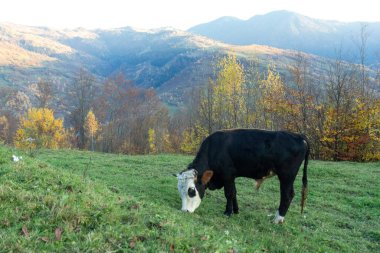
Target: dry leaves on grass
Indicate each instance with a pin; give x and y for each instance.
(45, 239)
(24, 231)
(132, 243)
(58, 234)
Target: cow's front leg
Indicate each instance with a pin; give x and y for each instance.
(230, 194)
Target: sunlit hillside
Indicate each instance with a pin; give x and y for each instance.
(169, 60)
(12, 55)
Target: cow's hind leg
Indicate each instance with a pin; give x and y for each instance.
(287, 194)
(234, 201)
(230, 194)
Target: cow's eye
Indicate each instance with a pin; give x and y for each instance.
(191, 192)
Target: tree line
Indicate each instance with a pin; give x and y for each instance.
(113, 116)
(339, 110)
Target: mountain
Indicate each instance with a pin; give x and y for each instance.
(168, 60)
(288, 30)
(151, 58)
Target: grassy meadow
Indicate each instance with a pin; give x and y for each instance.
(74, 201)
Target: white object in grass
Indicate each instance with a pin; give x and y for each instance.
(16, 158)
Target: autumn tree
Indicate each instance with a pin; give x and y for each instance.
(13, 104)
(250, 94)
(272, 101)
(228, 92)
(339, 102)
(91, 127)
(192, 139)
(43, 93)
(127, 113)
(40, 129)
(362, 134)
(152, 141)
(5, 126)
(220, 104)
(112, 111)
(4, 129)
(18, 103)
(206, 105)
(362, 56)
(8, 126)
(361, 139)
(306, 102)
(177, 125)
(81, 96)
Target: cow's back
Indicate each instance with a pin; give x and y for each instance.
(251, 152)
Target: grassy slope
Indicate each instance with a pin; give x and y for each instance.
(108, 202)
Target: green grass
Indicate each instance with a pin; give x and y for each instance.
(118, 203)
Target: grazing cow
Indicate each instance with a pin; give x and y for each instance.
(258, 154)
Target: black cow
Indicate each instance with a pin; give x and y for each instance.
(228, 154)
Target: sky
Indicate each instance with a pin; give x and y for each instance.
(180, 14)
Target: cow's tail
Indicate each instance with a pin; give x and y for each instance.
(304, 176)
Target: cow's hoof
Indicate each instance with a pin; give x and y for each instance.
(228, 213)
(236, 211)
(278, 219)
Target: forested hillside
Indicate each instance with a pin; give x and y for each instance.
(130, 91)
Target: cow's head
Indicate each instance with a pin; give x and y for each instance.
(191, 187)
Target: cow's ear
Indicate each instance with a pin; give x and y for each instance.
(207, 175)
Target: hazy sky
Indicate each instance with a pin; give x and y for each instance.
(181, 14)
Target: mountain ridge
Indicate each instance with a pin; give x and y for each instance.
(290, 30)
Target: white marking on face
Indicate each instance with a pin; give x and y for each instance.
(186, 181)
(278, 219)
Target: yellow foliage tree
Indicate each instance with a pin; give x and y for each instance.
(358, 137)
(273, 102)
(192, 139)
(373, 153)
(91, 126)
(152, 140)
(228, 92)
(363, 132)
(40, 129)
(221, 104)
